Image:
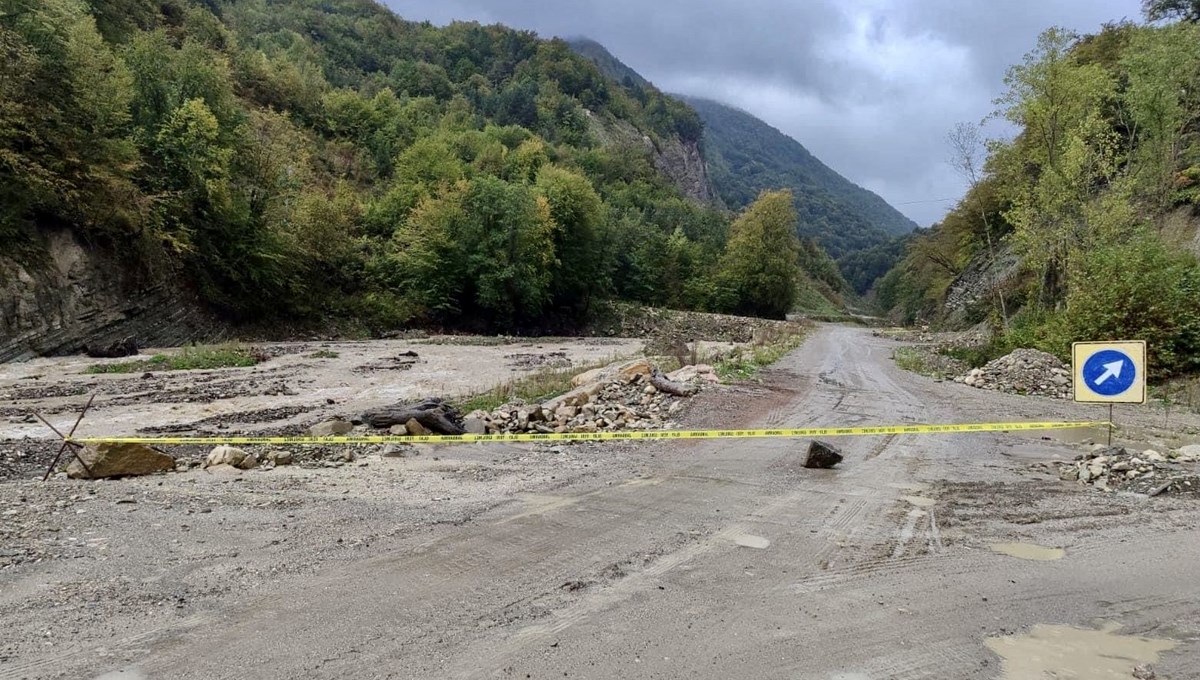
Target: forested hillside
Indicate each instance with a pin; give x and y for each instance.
(1083, 227)
(745, 157)
(609, 64)
(308, 159)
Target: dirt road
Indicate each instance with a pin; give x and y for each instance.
(713, 560)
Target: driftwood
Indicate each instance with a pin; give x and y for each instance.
(664, 384)
(436, 415)
(126, 347)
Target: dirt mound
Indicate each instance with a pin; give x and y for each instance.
(1024, 371)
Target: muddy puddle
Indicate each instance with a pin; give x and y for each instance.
(1129, 437)
(1029, 551)
(1067, 653)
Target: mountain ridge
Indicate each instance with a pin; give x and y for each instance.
(746, 156)
(737, 135)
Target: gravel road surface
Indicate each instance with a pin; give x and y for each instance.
(950, 556)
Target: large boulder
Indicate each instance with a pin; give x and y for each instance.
(125, 347)
(822, 455)
(331, 428)
(475, 425)
(229, 455)
(594, 375)
(119, 460)
(638, 367)
(1189, 453)
(416, 429)
(576, 397)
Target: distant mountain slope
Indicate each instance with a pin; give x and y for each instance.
(747, 156)
(607, 63)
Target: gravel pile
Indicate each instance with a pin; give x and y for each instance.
(1024, 371)
(1148, 472)
(623, 401)
(636, 321)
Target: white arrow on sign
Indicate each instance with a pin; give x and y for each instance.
(1112, 370)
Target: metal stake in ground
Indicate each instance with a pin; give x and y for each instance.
(67, 440)
(1110, 424)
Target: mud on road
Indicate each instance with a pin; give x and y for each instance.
(959, 556)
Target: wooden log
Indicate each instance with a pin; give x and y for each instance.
(433, 414)
(664, 384)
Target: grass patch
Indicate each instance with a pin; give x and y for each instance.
(534, 388)
(189, 359)
(910, 359)
(323, 354)
(469, 340)
(975, 356)
(1180, 394)
(746, 364)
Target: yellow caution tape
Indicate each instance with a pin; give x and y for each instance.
(625, 435)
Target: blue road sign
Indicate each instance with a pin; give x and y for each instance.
(1110, 372)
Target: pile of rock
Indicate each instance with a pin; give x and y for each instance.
(1024, 371)
(620, 398)
(918, 335)
(1148, 472)
(232, 457)
(635, 321)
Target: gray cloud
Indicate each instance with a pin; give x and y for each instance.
(869, 86)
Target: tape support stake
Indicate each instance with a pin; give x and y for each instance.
(628, 435)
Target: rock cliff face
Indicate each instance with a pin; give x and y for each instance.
(684, 164)
(972, 292)
(74, 295)
(679, 161)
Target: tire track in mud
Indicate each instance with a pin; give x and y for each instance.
(855, 512)
(867, 515)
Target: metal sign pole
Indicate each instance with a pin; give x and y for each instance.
(1110, 424)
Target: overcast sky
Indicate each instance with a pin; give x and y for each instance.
(869, 86)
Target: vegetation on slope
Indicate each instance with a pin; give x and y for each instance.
(1109, 148)
(309, 159)
(747, 156)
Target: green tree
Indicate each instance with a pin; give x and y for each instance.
(1062, 162)
(1138, 289)
(760, 268)
(1185, 10)
(578, 214)
(65, 145)
(508, 235)
(198, 167)
(1162, 101)
(425, 260)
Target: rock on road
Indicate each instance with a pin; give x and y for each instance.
(729, 560)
